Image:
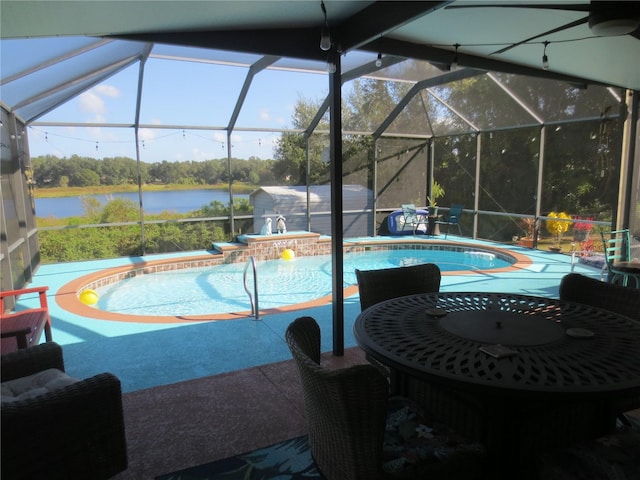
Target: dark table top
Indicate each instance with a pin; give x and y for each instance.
(556, 346)
(631, 267)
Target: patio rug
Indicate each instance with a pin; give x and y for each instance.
(290, 459)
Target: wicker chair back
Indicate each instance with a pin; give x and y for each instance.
(589, 291)
(346, 409)
(376, 286)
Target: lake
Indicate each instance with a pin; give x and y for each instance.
(181, 201)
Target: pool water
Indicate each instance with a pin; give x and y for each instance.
(220, 289)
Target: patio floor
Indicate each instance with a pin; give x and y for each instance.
(148, 355)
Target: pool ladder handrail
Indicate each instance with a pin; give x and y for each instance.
(253, 299)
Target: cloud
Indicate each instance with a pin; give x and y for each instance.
(146, 134)
(265, 115)
(107, 91)
(91, 103)
(93, 134)
(220, 137)
(199, 155)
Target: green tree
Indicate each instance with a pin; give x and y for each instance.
(166, 172)
(121, 170)
(290, 150)
(581, 158)
(84, 177)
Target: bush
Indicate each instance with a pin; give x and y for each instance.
(92, 243)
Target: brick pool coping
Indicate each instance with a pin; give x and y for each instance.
(268, 249)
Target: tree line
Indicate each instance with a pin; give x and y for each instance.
(77, 171)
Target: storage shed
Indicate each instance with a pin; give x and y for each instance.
(291, 203)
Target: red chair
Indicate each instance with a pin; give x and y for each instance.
(24, 328)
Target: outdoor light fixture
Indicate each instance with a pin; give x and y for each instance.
(545, 59)
(379, 60)
(454, 63)
(325, 38)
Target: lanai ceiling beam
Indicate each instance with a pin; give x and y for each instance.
(378, 19)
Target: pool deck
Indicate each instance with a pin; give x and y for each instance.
(145, 355)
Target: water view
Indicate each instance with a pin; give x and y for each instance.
(180, 201)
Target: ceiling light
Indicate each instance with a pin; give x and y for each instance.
(454, 63)
(379, 60)
(545, 59)
(325, 40)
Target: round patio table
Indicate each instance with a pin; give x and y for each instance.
(520, 373)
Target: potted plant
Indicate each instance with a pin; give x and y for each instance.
(437, 191)
(528, 225)
(557, 225)
(582, 228)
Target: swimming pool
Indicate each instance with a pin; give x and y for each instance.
(281, 283)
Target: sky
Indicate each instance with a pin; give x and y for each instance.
(177, 92)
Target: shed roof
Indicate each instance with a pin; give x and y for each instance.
(319, 195)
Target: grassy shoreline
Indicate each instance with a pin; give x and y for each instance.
(55, 192)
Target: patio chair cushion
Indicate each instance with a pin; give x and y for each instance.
(413, 439)
(34, 385)
(592, 260)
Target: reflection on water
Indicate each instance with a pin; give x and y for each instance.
(180, 201)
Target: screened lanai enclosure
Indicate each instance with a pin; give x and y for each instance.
(249, 99)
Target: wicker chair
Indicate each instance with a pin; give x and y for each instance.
(613, 457)
(589, 291)
(71, 432)
(376, 286)
(349, 430)
(608, 296)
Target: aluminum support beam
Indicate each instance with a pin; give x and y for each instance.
(337, 234)
(136, 132)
